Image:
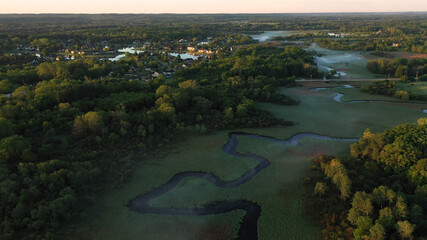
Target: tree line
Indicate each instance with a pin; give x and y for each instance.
(379, 192)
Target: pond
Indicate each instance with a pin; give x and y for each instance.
(124, 51)
(184, 55)
(133, 51)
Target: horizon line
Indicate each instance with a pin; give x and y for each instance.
(194, 13)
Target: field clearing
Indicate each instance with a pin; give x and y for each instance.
(278, 189)
(408, 55)
(351, 64)
(419, 88)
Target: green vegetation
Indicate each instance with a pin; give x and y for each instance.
(387, 177)
(341, 119)
(203, 153)
(414, 88)
(351, 63)
(386, 87)
(282, 214)
(367, 31)
(401, 90)
(384, 35)
(400, 67)
(68, 134)
(79, 130)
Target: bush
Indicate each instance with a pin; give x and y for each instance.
(423, 78)
(404, 95)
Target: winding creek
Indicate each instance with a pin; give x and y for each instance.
(249, 225)
(338, 96)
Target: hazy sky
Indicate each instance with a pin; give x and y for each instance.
(208, 6)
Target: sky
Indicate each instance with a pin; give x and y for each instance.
(209, 6)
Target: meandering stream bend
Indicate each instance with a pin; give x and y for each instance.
(338, 96)
(249, 226)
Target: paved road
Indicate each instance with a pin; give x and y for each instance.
(346, 80)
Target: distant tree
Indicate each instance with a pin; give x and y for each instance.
(13, 148)
(189, 84)
(386, 218)
(164, 89)
(57, 70)
(405, 229)
(229, 114)
(362, 202)
(422, 121)
(380, 195)
(337, 172)
(416, 212)
(202, 104)
(364, 224)
(377, 232)
(6, 128)
(320, 188)
(167, 110)
(401, 209)
(91, 122)
(404, 95)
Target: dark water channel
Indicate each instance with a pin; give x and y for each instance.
(249, 225)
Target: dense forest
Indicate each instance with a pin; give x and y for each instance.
(401, 67)
(379, 192)
(61, 120)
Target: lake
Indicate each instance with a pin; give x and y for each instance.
(124, 51)
(133, 51)
(348, 64)
(183, 55)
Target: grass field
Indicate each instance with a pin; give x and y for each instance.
(350, 63)
(419, 88)
(277, 189)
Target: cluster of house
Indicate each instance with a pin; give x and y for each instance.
(200, 51)
(69, 53)
(181, 46)
(66, 57)
(341, 35)
(150, 73)
(26, 48)
(394, 44)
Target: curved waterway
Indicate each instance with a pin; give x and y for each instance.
(249, 225)
(338, 96)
